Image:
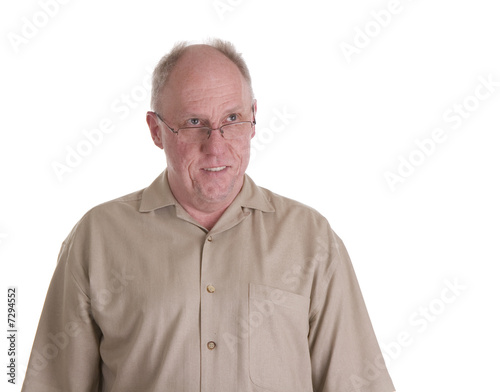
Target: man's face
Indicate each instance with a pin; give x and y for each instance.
(204, 89)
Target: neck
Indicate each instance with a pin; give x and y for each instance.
(205, 219)
(206, 214)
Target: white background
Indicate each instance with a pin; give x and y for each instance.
(354, 118)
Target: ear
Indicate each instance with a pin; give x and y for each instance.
(254, 106)
(154, 128)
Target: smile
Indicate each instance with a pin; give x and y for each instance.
(215, 169)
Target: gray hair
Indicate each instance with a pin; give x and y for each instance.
(168, 62)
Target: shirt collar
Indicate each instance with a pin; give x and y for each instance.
(159, 195)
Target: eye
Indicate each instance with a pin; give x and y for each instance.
(232, 117)
(193, 121)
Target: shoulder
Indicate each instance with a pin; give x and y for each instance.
(129, 203)
(286, 205)
(109, 215)
(304, 221)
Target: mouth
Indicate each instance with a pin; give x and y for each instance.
(214, 169)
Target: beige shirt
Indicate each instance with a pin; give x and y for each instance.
(145, 299)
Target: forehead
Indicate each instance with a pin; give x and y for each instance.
(204, 80)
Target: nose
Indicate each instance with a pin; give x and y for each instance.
(215, 144)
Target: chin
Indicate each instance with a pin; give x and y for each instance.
(215, 194)
(215, 197)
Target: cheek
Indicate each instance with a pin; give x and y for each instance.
(180, 158)
(244, 149)
(241, 153)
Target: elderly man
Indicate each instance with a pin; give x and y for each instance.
(204, 281)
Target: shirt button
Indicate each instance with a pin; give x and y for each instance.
(211, 345)
(210, 289)
(209, 239)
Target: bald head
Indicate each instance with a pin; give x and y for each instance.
(197, 60)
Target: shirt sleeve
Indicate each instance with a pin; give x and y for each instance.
(345, 355)
(65, 355)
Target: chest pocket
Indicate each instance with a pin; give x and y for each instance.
(279, 350)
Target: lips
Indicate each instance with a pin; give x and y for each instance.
(214, 169)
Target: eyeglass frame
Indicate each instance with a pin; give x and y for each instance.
(253, 122)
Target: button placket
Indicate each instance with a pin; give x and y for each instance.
(209, 312)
